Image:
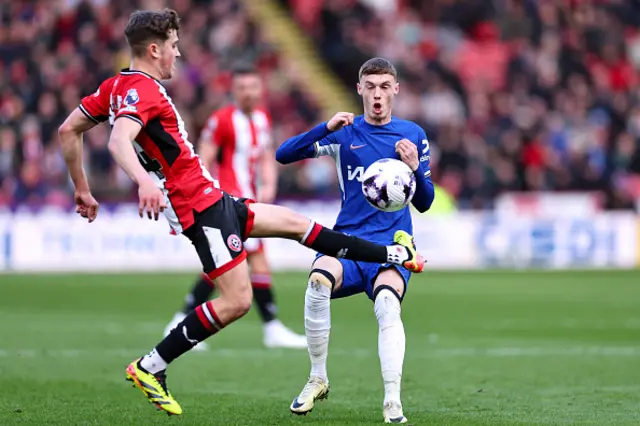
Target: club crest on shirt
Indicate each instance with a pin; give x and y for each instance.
(132, 97)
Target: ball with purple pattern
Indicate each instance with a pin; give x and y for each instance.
(388, 185)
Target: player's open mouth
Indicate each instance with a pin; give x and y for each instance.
(377, 107)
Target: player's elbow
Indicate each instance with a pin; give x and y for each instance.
(423, 203)
(423, 207)
(282, 156)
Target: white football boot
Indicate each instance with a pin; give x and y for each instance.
(316, 389)
(392, 412)
(177, 319)
(276, 335)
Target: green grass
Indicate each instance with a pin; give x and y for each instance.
(492, 348)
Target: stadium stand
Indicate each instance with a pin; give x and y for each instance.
(515, 95)
(51, 57)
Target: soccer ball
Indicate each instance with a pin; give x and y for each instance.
(388, 185)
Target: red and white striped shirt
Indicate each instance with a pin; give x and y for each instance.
(241, 140)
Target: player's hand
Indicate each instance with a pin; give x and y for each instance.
(340, 120)
(408, 152)
(266, 194)
(86, 205)
(151, 200)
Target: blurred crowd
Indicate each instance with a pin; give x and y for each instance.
(52, 53)
(532, 95)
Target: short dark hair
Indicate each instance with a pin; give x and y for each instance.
(243, 68)
(377, 66)
(147, 26)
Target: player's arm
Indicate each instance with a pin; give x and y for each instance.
(70, 132)
(268, 175)
(209, 142)
(418, 160)
(121, 148)
(309, 144)
(208, 153)
(123, 134)
(129, 120)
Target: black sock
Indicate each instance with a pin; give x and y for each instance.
(337, 244)
(198, 325)
(200, 293)
(263, 296)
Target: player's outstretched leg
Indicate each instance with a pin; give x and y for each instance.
(199, 294)
(388, 288)
(277, 221)
(149, 372)
(317, 323)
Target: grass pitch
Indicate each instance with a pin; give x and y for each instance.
(483, 348)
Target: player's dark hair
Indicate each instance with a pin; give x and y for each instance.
(243, 68)
(147, 26)
(377, 66)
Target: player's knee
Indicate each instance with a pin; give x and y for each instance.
(387, 306)
(241, 300)
(319, 278)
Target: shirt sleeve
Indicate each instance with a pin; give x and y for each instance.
(96, 105)
(424, 195)
(329, 145)
(316, 142)
(211, 131)
(139, 101)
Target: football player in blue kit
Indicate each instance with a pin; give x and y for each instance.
(355, 143)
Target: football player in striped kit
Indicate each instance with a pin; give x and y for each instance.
(236, 144)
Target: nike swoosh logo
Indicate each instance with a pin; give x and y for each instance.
(357, 146)
(297, 404)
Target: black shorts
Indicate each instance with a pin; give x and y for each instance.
(218, 234)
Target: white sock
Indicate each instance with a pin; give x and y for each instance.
(153, 362)
(317, 324)
(391, 343)
(397, 254)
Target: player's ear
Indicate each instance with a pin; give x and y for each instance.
(154, 50)
(396, 88)
(359, 89)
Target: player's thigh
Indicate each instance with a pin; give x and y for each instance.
(329, 265)
(389, 277)
(353, 279)
(257, 258)
(276, 221)
(215, 236)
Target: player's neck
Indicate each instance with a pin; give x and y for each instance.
(145, 67)
(246, 110)
(375, 122)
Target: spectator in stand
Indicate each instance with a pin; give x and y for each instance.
(53, 53)
(517, 95)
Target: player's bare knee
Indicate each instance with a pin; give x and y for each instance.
(237, 295)
(241, 300)
(319, 278)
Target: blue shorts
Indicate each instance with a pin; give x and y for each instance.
(359, 277)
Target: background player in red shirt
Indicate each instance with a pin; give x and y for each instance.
(236, 145)
(150, 143)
